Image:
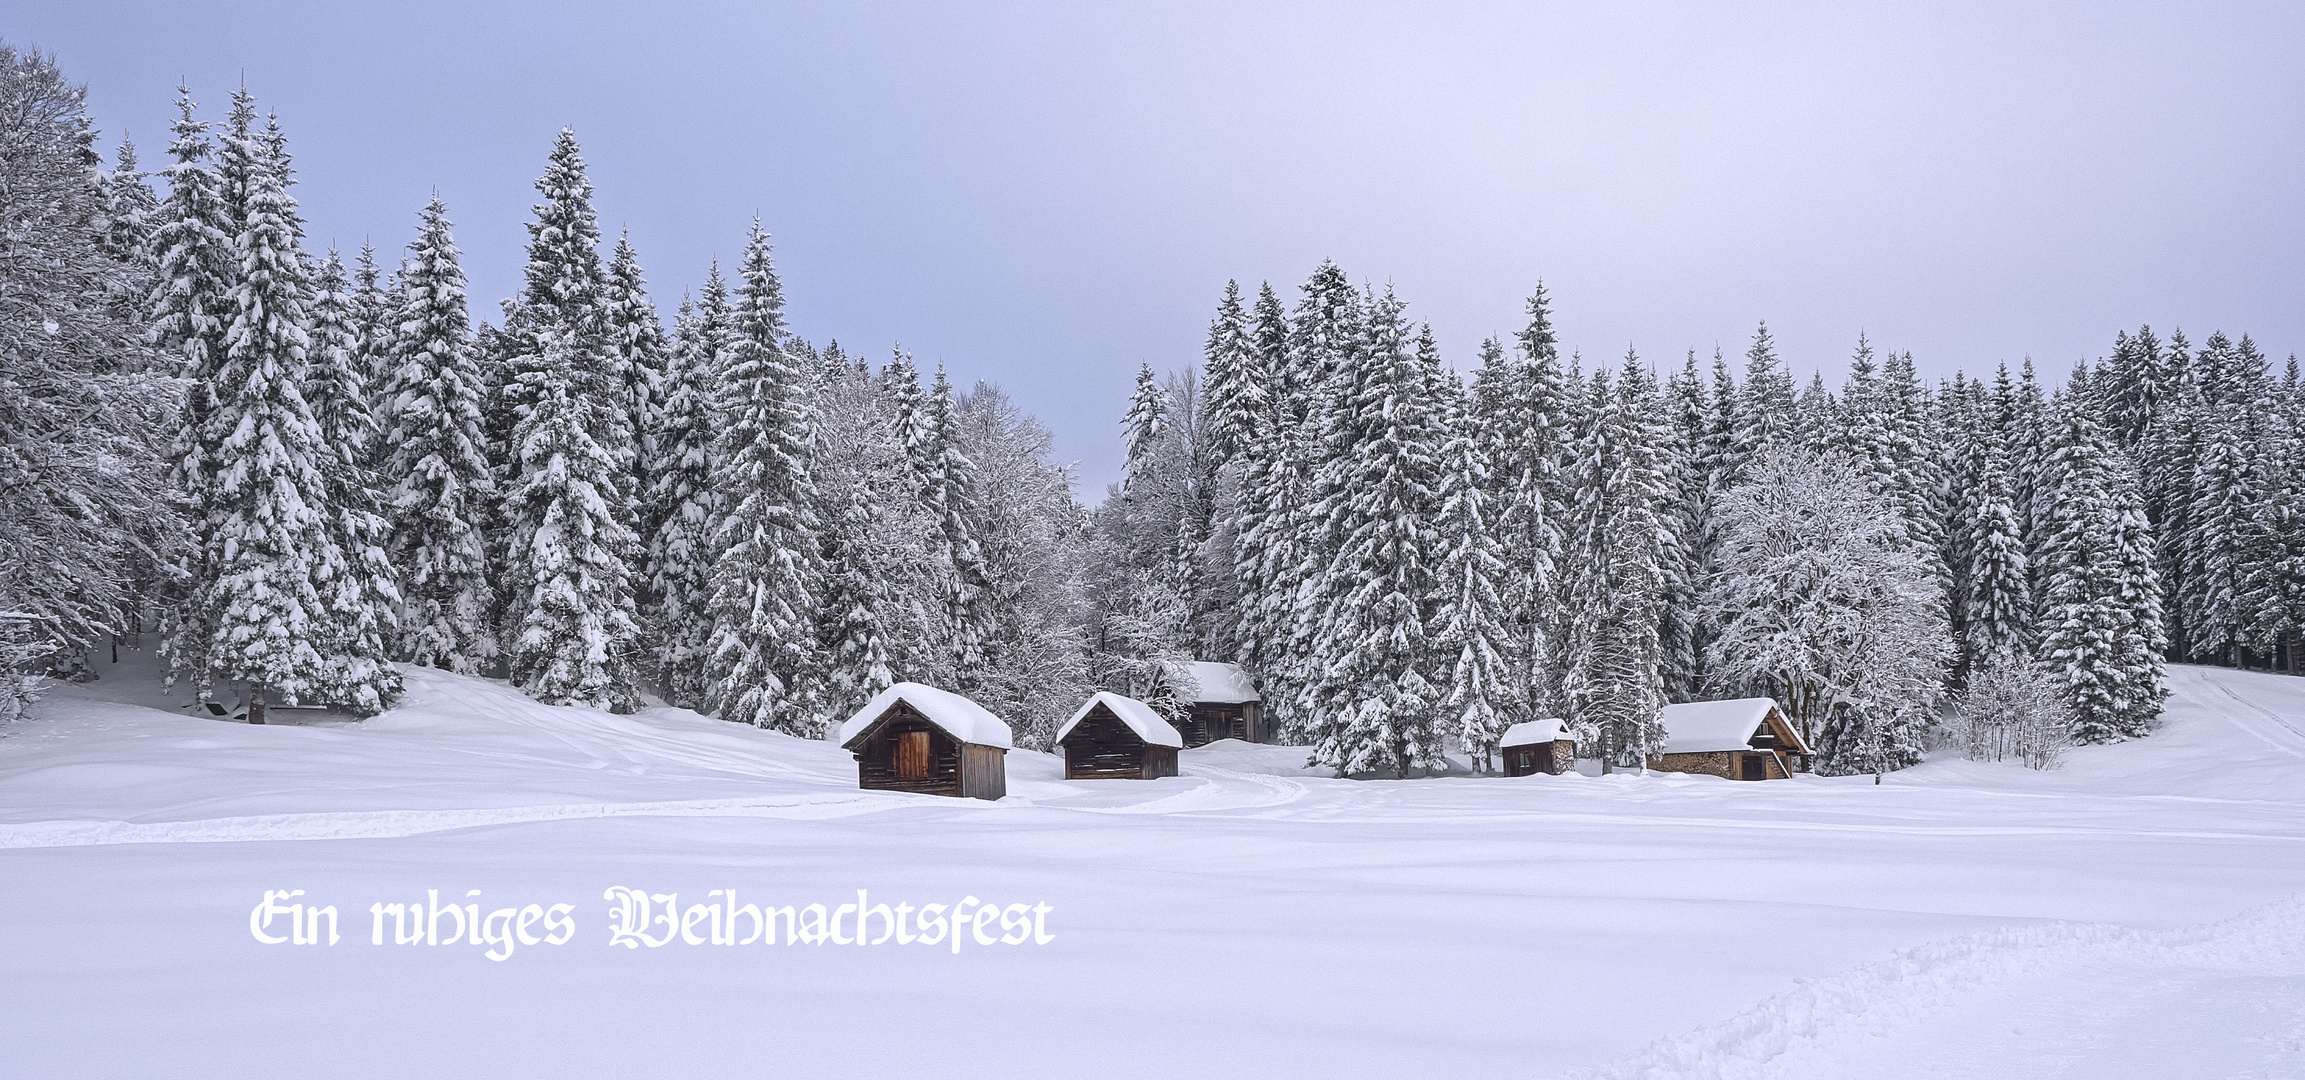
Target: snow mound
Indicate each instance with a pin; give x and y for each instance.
(958, 716)
(1139, 717)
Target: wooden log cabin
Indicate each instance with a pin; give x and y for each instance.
(1538, 746)
(1740, 739)
(1118, 738)
(917, 738)
(1224, 707)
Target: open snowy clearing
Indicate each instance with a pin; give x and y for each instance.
(2136, 913)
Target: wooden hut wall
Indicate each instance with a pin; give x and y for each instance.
(1551, 758)
(983, 772)
(1101, 747)
(876, 759)
(1211, 721)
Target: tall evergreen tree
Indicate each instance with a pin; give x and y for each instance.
(436, 452)
(1376, 698)
(1612, 581)
(254, 585)
(358, 586)
(636, 337)
(683, 503)
(572, 643)
(1765, 403)
(766, 582)
(947, 497)
(2093, 556)
(570, 530)
(130, 210)
(1469, 633)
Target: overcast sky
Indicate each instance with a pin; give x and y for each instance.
(1048, 196)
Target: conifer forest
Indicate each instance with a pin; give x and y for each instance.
(295, 469)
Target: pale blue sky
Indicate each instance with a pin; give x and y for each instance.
(1048, 195)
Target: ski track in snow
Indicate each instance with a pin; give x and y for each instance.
(2252, 717)
(1865, 1022)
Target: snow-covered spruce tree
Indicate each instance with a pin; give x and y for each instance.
(1267, 469)
(1612, 582)
(1238, 412)
(1290, 541)
(2165, 464)
(1238, 391)
(2221, 502)
(1821, 607)
(1375, 699)
(1469, 632)
(2143, 644)
(1817, 416)
(767, 580)
(561, 370)
(948, 495)
(2273, 586)
(1685, 415)
(637, 337)
(683, 502)
(130, 210)
(86, 511)
(1765, 402)
(436, 453)
(571, 645)
(254, 587)
(2096, 615)
(1998, 602)
(359, 587)
(2138, 385)
(1528, 414)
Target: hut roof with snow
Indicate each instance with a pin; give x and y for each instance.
(964, 720)
(1140, 718)
(1224, 684)
(1699, 727)
(1533, 731)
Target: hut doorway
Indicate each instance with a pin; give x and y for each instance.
(1756, 767)
(912, 754)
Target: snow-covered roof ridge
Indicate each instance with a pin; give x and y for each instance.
(1140, 718)
(958, 716)
(1532, 731)
(1699, 727)
(1223, 684)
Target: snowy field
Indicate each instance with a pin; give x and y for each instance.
(2136, 914)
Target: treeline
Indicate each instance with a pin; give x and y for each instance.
(298, 472)
(1410, 560)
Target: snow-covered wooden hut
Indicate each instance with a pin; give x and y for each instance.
(1741, 739)
(1538, 746)
(1224, 707)
(1118, 738)
(912, 737)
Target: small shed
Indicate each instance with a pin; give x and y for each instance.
(1118, 738)
(912, 737)
(1741, 739)
(1224, 707)
(1538, 746)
